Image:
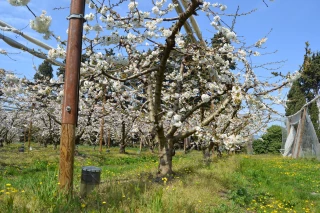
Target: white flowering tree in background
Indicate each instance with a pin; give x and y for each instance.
(161, 77)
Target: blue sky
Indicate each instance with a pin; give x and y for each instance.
(292, 23)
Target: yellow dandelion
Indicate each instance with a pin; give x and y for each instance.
(104, 202)
(8, 184)
(22, 191)
(7, 193)
(83, 205)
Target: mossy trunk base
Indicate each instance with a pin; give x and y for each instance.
(165, 164)
(122, 149)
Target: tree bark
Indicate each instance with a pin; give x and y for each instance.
(109, 138)
(165, 161)
(165, 154)
(140, 148)
(122, 149)
(123, 138)
(101, 134)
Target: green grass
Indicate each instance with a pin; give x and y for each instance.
(241, 183)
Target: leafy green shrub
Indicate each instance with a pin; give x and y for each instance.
(269, 142)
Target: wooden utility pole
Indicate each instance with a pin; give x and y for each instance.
(71, 94)
(102, 119)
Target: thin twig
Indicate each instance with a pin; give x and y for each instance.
(31, 11)
(265, 3)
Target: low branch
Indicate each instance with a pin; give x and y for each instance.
(273, 89)
(33, 40)
(131, 77)
(17, 45)
(53, 117)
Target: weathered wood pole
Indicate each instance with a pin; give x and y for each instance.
(71, 94)
(102, 118)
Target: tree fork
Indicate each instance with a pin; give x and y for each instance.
(71, 95)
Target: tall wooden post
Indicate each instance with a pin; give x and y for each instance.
(102, 119)
(71, 94)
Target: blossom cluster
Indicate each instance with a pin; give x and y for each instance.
(41, 24)
(18, 2)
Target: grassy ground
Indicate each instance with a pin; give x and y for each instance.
(241, 183)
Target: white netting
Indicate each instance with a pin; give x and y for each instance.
(302, 140)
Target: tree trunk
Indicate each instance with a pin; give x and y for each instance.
(101, 135)
(122, 149)
(109, 138)
(102, 119)
(165, 158)
(151, 145)
(165, 164)
(123, 138)
(140, 149)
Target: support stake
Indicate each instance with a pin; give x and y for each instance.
(71, 96)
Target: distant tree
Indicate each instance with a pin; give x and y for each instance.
(306, 88)
(310, 82)
(269, 142)
(296, 98)
(310, 75)
(44, 71)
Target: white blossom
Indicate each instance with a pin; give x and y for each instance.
(223, 7)
(132, 5)
(166, 33)
(41, 24)
(180, 42)
(176, 118)
(18, 2)
(97, 28)
(242, 53)
(205, 98)
(205, 6)
(216, 18)
(155, 10)
(57, 53)
(256, 53)
(91, 5)
(260, 42)
(2, 51)
(89, 17)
